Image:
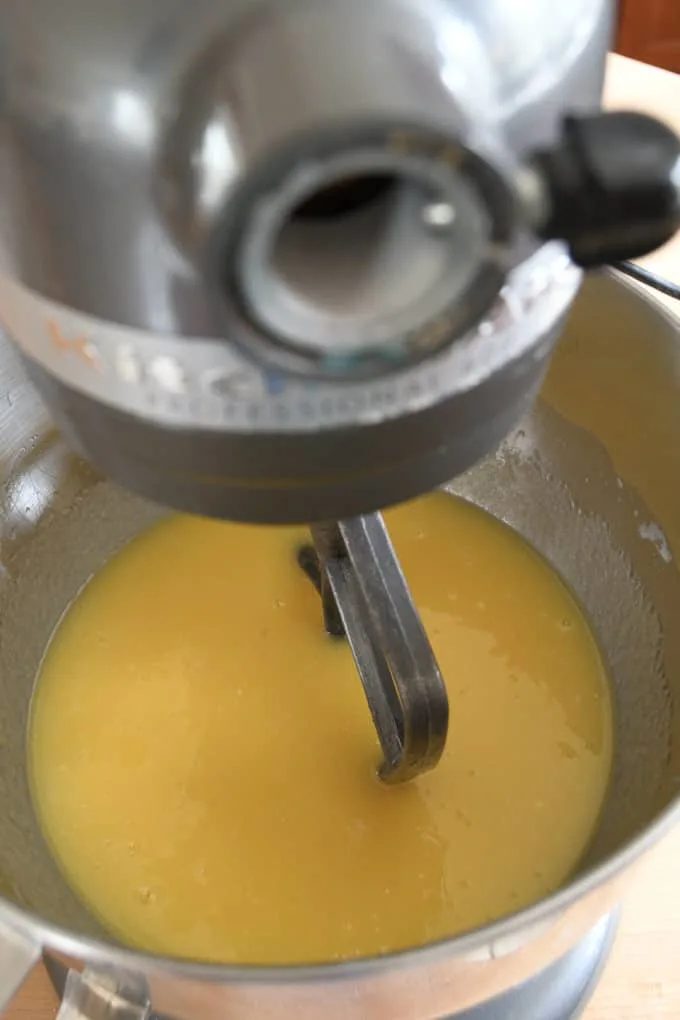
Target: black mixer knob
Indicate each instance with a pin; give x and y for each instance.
(610, 187)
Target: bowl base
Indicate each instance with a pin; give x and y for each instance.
(560, 992)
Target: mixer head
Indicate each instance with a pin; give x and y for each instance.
(296, 261)
(287, 261)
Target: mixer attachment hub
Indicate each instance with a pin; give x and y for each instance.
(365, 596)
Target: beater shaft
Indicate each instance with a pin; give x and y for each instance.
(365, 593)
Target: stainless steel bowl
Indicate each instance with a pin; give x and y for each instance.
(591, 478)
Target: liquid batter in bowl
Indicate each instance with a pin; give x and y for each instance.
(204, 764)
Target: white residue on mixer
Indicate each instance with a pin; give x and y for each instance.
(653, 533)
(520, 443)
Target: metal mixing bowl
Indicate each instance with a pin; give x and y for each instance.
(591, 478)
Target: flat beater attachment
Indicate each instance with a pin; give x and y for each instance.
(365, 597)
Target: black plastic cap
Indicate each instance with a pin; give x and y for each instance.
(613, 187)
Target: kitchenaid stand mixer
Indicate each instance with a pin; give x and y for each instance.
(298, 261)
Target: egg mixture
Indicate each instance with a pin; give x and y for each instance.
(204, 762)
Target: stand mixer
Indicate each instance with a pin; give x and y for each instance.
(286, 262)
(296, 262)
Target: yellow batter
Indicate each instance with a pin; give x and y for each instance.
(204, 761)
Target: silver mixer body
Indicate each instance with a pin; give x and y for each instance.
(199, 337)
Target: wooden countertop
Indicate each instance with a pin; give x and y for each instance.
(642, 980)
